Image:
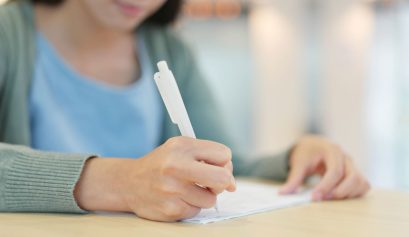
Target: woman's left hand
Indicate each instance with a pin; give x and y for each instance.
(317, 155)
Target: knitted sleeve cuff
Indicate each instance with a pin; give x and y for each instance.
(36, 181)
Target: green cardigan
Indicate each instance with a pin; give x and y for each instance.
(38, 181)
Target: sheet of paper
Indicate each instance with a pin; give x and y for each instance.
(249, 198)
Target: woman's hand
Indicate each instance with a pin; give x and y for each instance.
(316, 155)
(161, 186)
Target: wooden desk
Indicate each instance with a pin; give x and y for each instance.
(381, 213)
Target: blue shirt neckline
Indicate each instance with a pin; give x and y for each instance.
(93, 84)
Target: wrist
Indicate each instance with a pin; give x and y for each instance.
(102, 184)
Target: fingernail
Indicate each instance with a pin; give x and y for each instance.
(317, 196)
(329, 196)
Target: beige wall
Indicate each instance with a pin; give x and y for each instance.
(279, 116)
(279, 42)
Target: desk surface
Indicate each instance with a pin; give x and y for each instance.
(381, 213)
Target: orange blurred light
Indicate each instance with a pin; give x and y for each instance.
(227, 9)
(204, 9)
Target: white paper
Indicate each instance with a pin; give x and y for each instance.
(249, 198)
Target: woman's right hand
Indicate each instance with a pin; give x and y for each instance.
(161, 186)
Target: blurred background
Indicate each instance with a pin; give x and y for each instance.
(284, 68)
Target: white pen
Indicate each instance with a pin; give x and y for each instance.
(169, 91)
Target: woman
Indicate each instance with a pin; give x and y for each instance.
(76, 91)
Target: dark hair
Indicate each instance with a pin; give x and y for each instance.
(167, 14)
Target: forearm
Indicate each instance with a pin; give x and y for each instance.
(37, 181)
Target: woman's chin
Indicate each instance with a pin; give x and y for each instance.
(124, 25)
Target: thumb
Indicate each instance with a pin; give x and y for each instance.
(295, 179)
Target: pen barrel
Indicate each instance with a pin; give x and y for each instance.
(173, 100)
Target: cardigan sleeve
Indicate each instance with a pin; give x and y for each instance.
(38, 181)
(2, 59)
(207, 118)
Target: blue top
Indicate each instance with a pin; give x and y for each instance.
(72, 113)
